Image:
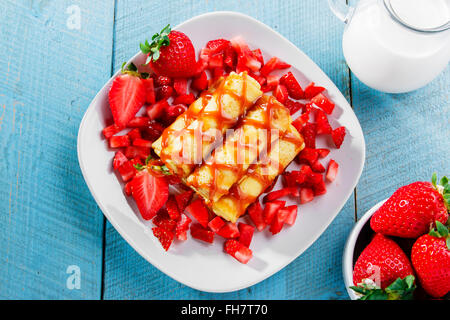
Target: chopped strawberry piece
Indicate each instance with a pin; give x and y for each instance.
(217, 46)
(175, 110)
(273, 81)
(127, 170)
(292, 215)
(165, 92)
(164, 236)
(308, 155)
(182, 227)
(162, 81)
(323, 103)
(311, 90)
(119, 141)
(205, 54)
(322, 124)
(319, 188)
(246, 233)
(200, 233)
(306, 195)
(292, 85)
(186, 99)
(266, 88)
(198, 210)
(338, 136)
(142, 143)
(119, 159)
(172, 208)
(281, 93)
(134, 134)
(278, 221)
(216, 224)
(255, 212)
(152, 131)
(180, 85)
(258, 78)
(162, 220)
(137, 152)
(300, 122)
(246, 59)
(258, 55)
(332, 170)
(183, 199)
(200, 82)
(150, 193)
(150, 96)
(127, 188)
(241, 64)
(273, 64)
(317, 167)
(294, 106)
(111, 130)
(173, 179)
(229, 231)
(309, 135)
(323, 152)
(238, 251)
(156, 110)
(230, 57)
(139, 122)
(298, 177)
(216, 61)
(274, 195)
(218, 72)
(270, 210)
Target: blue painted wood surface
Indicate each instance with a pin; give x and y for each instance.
(50, 73)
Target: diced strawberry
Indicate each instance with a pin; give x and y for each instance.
(162, 220)
(255, 212)
(200, 233)
(134, 134)
(198, 210)
(127, 189)
(218, 72)
(332, 171)
(217, 46)
(127, 170)
(173, 111)
(229, 231)
(156, 110)
(150, 193)
(270, 210)
(313, 179)
(322, 124)
(265, 88)
(323, 103)
(200, 82)
(183, 199)
(162, 81)
(300, 122)
(152, 131)
(292, 85)
(165, 92)
(292, 215)
(119, 141)
(281, 93)
(246, 233)
(139, 122)
(205, 54)
(173, 179)
(294, 106)
(111, 130)
(164, 236)
(311, 90)
(186, 99)
(258, 78)
(216, 224)
(338, 136)
(278, 221)
(309, 135)
(319, 188)
(216, 61)
(317, 167)
(119, 159)
(241, 64)
(307, 155)
(258, 55)
(245, 55)
(142, 143)
(273, 64)
(180, 85)
(238, 251)
(273, 81)
(182, 227)
(137, 152)
(172, 208)
(323, 152)
(150, 96)
(274, 195)
(306, 195)
(230, 57)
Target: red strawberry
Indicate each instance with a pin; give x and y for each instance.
(119, 141)
(292, 215)
(139, 122)
(410, 211)
(216, 61)
(172, 208)
(292, 85)
(278, 221)
(306, 195)
(165, 92)
(182, 227)
(430, 257)
(150, 193)
(281, 93)
(271, 209)
(163, 220)
(322, 124)
(183, 199)
(216, 224)
(180, 86)
(134, 134)
(200, 82)
(142, 143)
(323, 103)
(156, 110)
(229, 231)
(255, 212)
(382, 261)
(200, 233)
(217, 46)
(186, 99)
(162, 80)
(150, 96)
(338, 136)
(119, 159)
(171, 54)
(309, 134)
(137, 152)
(164, 236)
(311, 90)
(317, 167)
(127, 170)
(246, 233)
(294, 106)
(332, 170)
(198, 210)
(274, 195)
(237, 250)
(308, 155)
(323, 152)
(127, 95)
(273, 64)
(111, 130)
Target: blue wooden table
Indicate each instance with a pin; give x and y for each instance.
(55, 56)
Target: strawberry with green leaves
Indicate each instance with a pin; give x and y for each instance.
(171, 54)
(412, 209)
(430, 257)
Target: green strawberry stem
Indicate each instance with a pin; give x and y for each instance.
(441, 231)
(443, 188)
(158, 40)
(131, 69)
(400, 289)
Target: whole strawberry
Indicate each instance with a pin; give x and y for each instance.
(430, 257)
(382, 262)
(171, 54)
(412, 209)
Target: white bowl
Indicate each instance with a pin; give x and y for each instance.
(357, 240)
(196, 264)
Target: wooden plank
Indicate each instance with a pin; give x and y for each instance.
(49, 73)
(317, 273)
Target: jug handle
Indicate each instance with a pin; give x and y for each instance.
(341, 10)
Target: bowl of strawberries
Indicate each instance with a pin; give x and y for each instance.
(400, 249)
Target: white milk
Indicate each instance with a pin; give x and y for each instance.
(389, 57)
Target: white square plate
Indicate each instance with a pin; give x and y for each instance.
(196, 264)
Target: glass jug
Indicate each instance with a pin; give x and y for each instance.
(395, 45)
